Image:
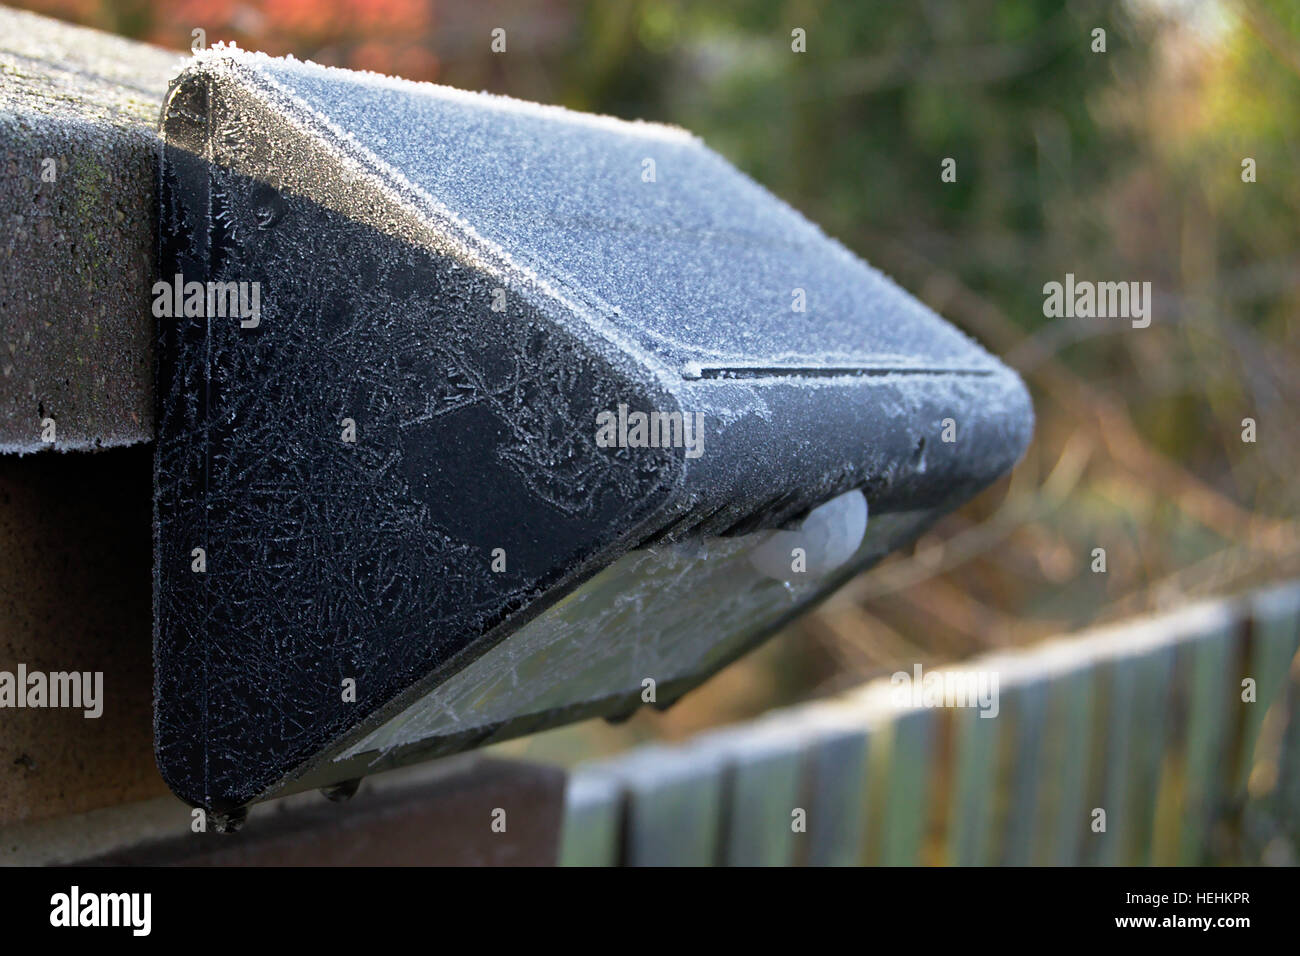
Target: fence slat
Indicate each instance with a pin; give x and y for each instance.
(674, 807)
(762, 790)
(1120, 681)
(1275, 634)
(1286, 796)
(1146, 751)
(837, 814)
(1204, 762)
(593, 814)
(1029, 710)
(1065, 775)
(971, 812)
(907, 790)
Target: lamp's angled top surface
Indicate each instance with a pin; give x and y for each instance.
(640, 222)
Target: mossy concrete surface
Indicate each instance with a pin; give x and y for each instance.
(78, 148)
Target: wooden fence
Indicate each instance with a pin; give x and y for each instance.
(1170, 740)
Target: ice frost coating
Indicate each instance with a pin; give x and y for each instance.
(669, 264)
(382, 219)
(405, 194)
